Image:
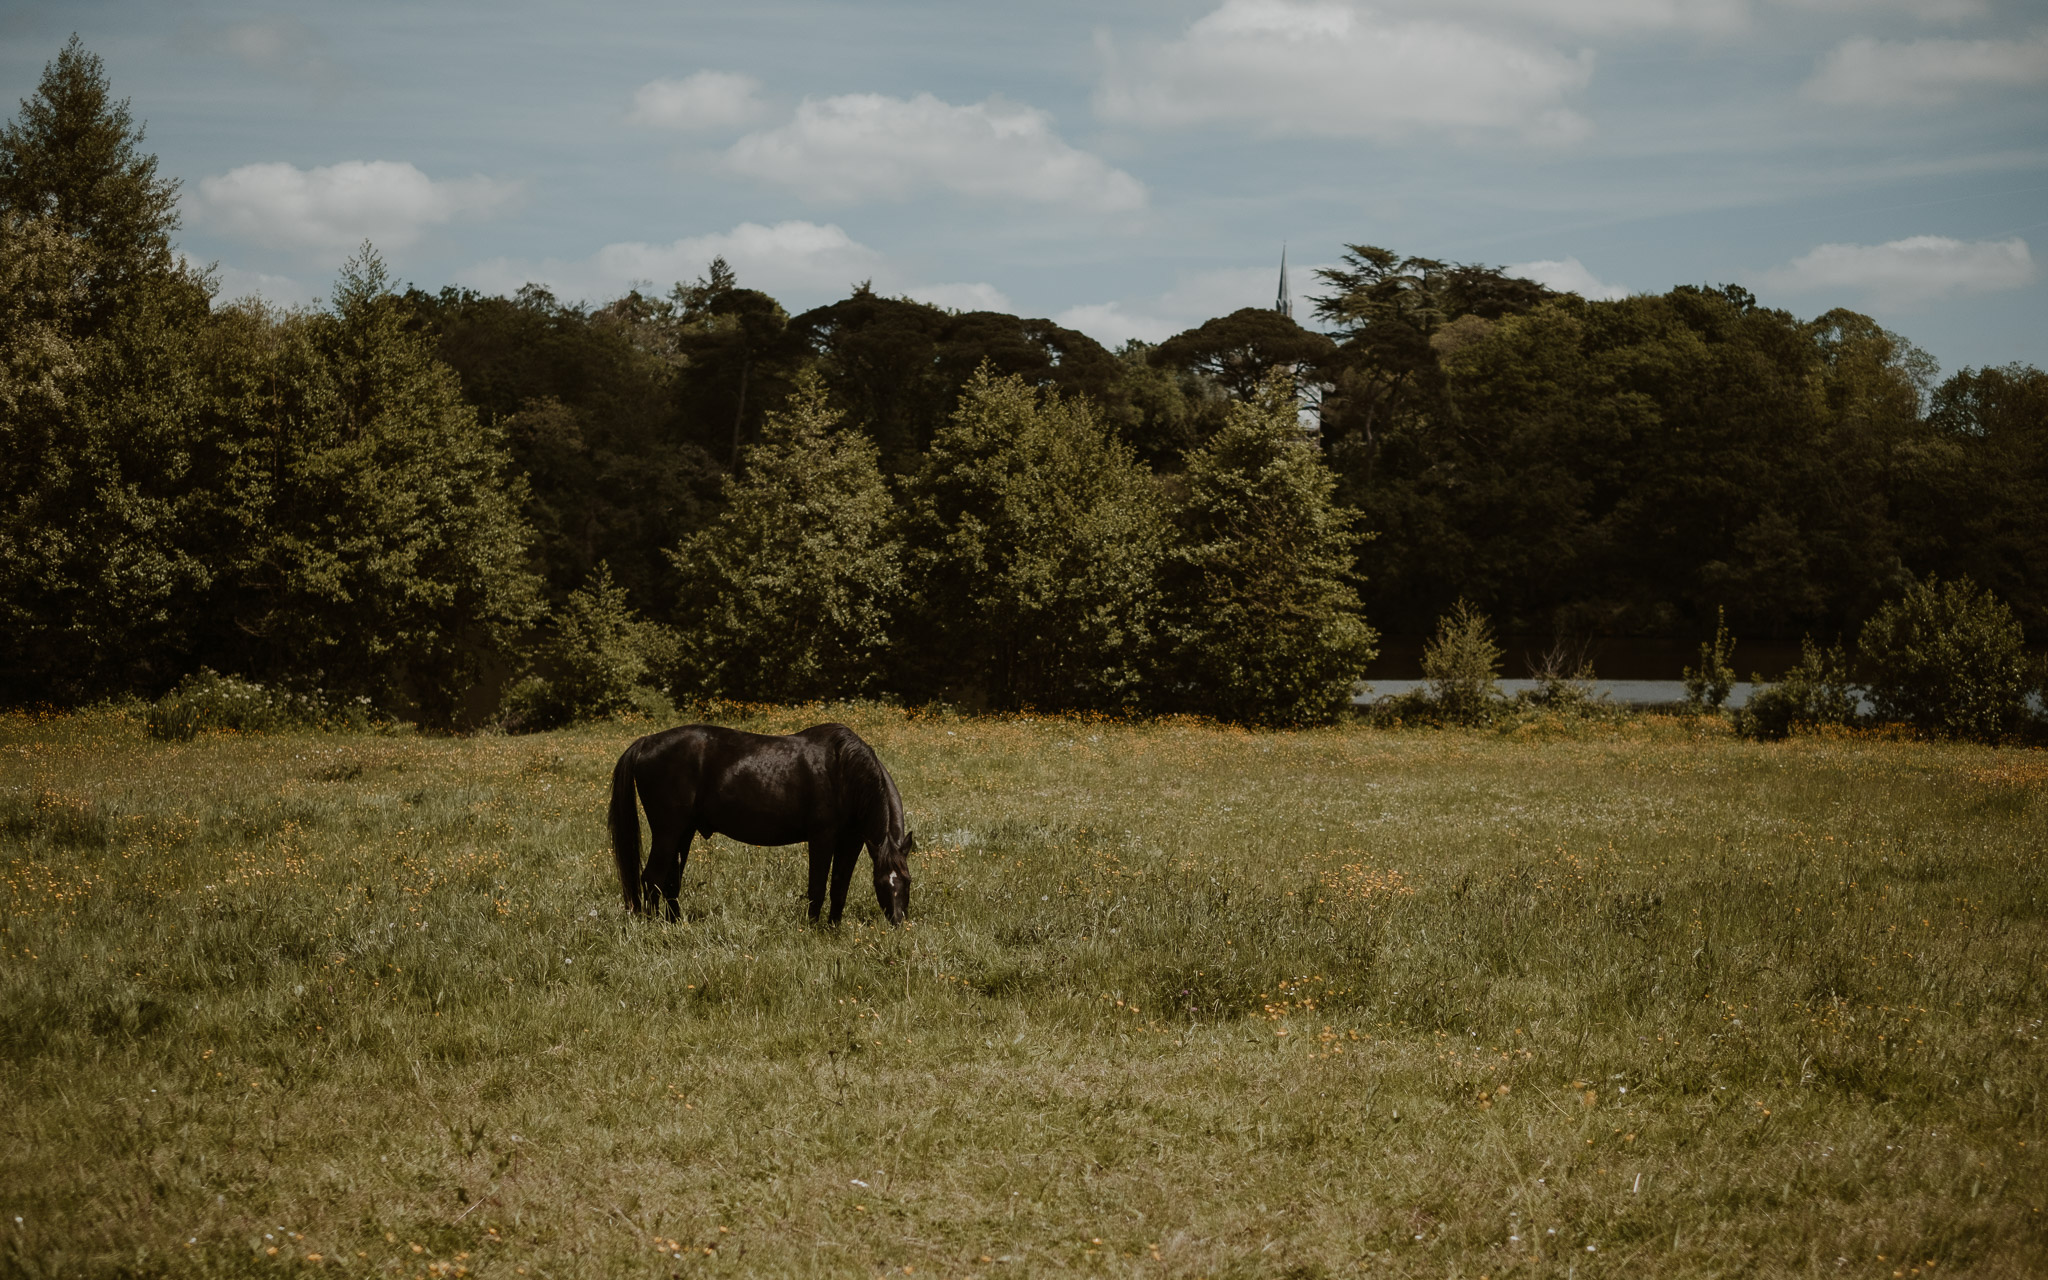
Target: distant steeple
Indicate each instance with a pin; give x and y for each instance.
(1284, 304)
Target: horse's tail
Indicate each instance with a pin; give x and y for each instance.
(625, 820)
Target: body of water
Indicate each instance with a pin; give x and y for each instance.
(1633, 693)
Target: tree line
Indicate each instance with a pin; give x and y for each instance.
(412, 496)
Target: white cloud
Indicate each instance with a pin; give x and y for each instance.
(336, 207)
(283, 47)
(977, 296)
(1905, 273)
(1325, 68)
(868, 146)
(1569, 275)
(1925, 10)
(798, 262)
(1611, 15)
(705, 102)
(236, 284)
(1197, 297)
(1881, 73)
(802, 258)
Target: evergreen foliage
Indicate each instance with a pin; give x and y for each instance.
(1461, 666)
(373, 541)
(97, 555)
(1032, 543)
(788, 596)
(1266, 625)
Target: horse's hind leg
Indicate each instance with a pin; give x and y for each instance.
(845, 855)
(666, 854)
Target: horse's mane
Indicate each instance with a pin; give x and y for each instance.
(865, 785)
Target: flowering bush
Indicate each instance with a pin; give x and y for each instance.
(208, 700)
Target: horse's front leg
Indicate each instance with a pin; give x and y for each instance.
(821, 867)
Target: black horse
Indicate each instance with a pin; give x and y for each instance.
(823, 785)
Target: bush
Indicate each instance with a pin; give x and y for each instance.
(1815, 692)
(1706, 687)
(1564, 683)
(1947, 659)
(1462, 667)
(209, 700)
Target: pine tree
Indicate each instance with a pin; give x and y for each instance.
(1266, 623)
(74, 158)
(99, 571)
(787, 597)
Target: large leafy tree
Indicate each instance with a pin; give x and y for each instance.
(1396, 317)
(1033, 541)
(74, 159)
(1976, 510)
(736, 355)
(588, 401)
(1241, 350)
(1265, 621)
(787, 596)
(899, 366)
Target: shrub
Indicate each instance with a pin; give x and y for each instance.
(1947, 659)
(594, 665)
(208, 700)
(1815, 692)
(1564, 683)
(1462, 667)
(1706, 687)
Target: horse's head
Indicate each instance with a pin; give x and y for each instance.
(892, 877)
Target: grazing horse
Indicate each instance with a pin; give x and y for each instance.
(823, 786)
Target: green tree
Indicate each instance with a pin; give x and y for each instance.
(589, 403)
(1266, 623)
(1241, 350)
(1978, 510)
(737, 354)
(787, 596)
(98, 566)
(1948, 659)
(898, 366)
(1033, 537)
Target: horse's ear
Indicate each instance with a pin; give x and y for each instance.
(910, 842)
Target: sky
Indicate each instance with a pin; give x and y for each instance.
(1129, 169)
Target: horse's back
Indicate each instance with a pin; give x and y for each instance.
(759, 788)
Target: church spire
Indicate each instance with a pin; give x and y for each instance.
(1284, 304)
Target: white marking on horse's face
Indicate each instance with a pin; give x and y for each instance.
(895, 879)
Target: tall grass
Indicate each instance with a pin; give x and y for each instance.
(1589, 998)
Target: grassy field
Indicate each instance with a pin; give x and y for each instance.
(1627, 999)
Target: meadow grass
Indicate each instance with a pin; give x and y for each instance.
(1628, 998)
